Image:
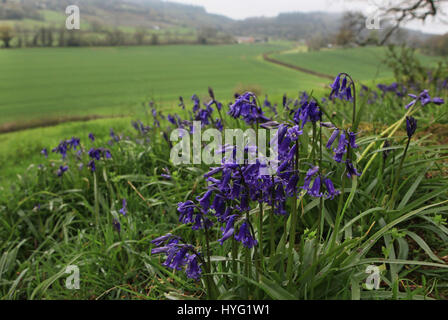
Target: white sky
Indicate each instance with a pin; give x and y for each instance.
(241, 9)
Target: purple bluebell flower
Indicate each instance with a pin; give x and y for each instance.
(331, 191)
(244, 236)
(172, 119)
(124, 209)
(291, 187)
(424, 99)
(186, 210)
(177, 258)
(315, 189)
(294, 133)
(309, 175)
(333, 137)
(341, 91)
(335, 86)
(91, 137)
(163, 239)
(229, 230)
(44, 152)
(246, 107)
(117, 225)
(193, 269)
(61, 149)
(205, 200)
(181, 103)
(411, 126)
(113, 135)
(341, 149)
(92, 165)
(197, 103)
(61, 170)
(351, 170)
(73, 143)
(352, 140)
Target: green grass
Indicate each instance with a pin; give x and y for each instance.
(51, 82)
(50, 222)
(18, 150)
(361, 63)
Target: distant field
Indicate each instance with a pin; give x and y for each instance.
(361, 63)
(45, 83)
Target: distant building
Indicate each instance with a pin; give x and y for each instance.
(245, 39)
(241, 40)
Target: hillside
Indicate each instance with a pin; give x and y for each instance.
(168, 19)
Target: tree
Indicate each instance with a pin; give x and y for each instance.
(316, 42)
(154, 39)
(353, 31)
(139, 36)
(404, 11)
(6, 35)
(206, 33)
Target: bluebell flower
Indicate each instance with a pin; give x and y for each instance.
(352, 140)
(229, 230)
(181, 103)
(333, 137)
(92, 165)
(61, 170)
(124, 209)
(424, 99)
(197, 103)
(172, 119)
(91, 137)
(117, 225)
(331, 191)
(411, 126)
(246, 107)
(341, 149)
(73, 143)
(44, 152)
(245, 237)
(315, 190)
(351, 170)
(193, 269)
(163, 239)
(205, 200)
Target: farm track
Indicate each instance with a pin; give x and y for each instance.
(268, 58)
(17, 126)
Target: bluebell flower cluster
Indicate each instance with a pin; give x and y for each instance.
(178, 255)
(346, 139)
(246, 107)
(399, 90)
(341, 88)
(424, 98)
(66, 145)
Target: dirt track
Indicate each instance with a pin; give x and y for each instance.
(267, 58)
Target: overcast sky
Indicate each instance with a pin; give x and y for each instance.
(240, 9)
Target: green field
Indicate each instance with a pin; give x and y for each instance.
(362, 63)
(45, 83)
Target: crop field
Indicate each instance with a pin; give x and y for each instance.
(79, 81)
(362, 63)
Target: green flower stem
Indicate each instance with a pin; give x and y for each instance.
(397, 176)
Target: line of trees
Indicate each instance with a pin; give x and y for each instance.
(97, 35)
